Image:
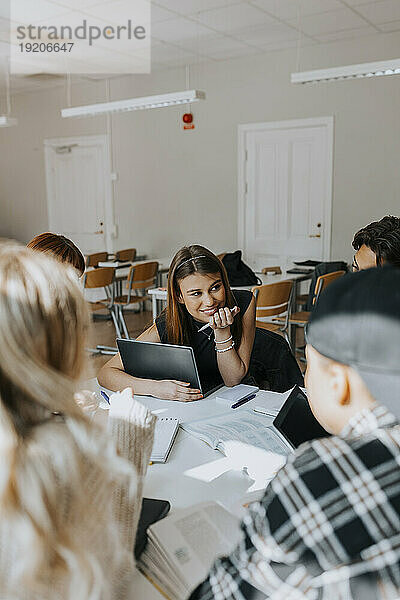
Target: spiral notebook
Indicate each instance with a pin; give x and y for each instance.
(164, 437)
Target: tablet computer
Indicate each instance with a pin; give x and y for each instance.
(152, 360)
(295, 421)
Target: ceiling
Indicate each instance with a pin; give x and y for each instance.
(187, 32)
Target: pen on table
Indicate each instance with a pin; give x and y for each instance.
(106, 398)
(243, 401)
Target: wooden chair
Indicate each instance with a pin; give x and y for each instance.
(102, 278)
(273, 301)
(127, 255)
(92, 260)
(141, 277)
(300, 318)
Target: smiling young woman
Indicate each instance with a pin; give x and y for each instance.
(198, 294)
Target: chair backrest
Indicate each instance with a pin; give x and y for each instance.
(323, 281)
(98, 278)
(128, 254)
(142, 276)
(323, 268)
(92, 260)
(272, 299)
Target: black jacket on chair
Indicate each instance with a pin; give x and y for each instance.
(272, 364)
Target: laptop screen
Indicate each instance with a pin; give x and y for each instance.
(296, 422)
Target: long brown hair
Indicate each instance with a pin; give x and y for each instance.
(60, 247)
(189, 260)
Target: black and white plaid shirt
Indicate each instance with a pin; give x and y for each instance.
(328, 526)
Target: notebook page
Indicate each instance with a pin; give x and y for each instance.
(164, 436)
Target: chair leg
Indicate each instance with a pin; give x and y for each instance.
(115, 321)
(122, 322)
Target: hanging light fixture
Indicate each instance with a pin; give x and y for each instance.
(144, 103)
(6, 120)
(374, 69)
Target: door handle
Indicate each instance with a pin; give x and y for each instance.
(317, 235)
(97, 232)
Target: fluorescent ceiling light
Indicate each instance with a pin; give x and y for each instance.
(375, 69)
(7, 121)
(160, 101)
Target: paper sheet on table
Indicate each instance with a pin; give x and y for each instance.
(271, 402)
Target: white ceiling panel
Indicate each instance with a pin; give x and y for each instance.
(116, 11)
(212, 43)
(336, 20)
(388, 27)
(190, 7)
(76, 4)
(178, 29)
(224, 54)
(159, 14)
(358, 2)
(231, 18)
(284, 45)
(381, 12)
(4, 10)
(165, 53)
(27, 11)
(289, 9)
(348, 34)
(267, 33)
(193, 31)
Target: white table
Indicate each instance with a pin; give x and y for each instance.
(194, 472)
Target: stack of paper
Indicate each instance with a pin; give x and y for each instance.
(164, 437)
(182, 547)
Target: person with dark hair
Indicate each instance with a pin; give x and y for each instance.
(61, 248)
(198, 293)
(377, 244)
(328, 525)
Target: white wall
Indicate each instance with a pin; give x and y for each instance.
(178, 187)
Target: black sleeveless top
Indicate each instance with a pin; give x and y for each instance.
(203, 343)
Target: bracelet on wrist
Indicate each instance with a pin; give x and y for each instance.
(225, 349)
(224, 341)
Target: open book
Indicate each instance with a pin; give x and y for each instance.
(182, 547)
(244, 426)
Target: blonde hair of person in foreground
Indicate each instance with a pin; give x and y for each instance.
(70, 495)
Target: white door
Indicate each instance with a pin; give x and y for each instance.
(79, 191)
(285, 191)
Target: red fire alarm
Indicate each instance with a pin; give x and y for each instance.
(188, 121)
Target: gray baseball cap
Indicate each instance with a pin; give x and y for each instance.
(357, 322)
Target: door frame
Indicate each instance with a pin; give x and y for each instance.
(95, 140)
(328, 123)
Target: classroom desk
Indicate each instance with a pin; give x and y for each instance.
(177, 479)
(160, 294)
